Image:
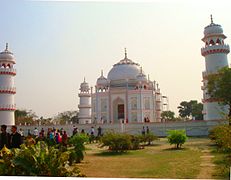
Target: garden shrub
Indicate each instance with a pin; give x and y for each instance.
(177, 137)
(36, 160)
(135, 142)
(147, 139)
(116, 141)
(221, 135)
(77, 152)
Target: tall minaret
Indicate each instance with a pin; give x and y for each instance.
(215, 53)
(84, 103)
(7, 89)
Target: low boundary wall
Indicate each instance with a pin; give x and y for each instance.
(192, 128)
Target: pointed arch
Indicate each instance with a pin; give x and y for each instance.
(211, 42)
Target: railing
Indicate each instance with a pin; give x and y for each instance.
(8, 90)
(215, 49)
(11, 107)
(10, 71)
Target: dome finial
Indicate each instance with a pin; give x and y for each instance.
(6, 47)
(84, 80)
(141, 70)
(211, 17)
(101, 73)
(125, 51)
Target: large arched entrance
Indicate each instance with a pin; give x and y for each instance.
(118, 110)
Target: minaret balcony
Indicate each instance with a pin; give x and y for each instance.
(210, 100)
(215, 49)
(7, 90)
(8, 71)
(84, 106)
(84, 95)
(8, 107)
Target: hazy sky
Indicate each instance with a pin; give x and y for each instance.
(56, 44)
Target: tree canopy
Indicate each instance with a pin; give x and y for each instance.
(191, 109)
(24, 117)
(168, 115)
(219, 87)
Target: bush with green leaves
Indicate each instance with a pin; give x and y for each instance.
(147, 139)
(36, 160)
(117, 142)
(77, 151)
(221, 135)
(177, 137)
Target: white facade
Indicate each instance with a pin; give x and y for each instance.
(215, 52)
(84, 103)
(7, 89)
(126, 95)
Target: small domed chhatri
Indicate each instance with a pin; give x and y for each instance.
(212, 28)
(126, 95)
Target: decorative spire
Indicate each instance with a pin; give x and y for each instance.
(125, 51)
(101, 73)
(141, 70)
(84, 80)
(148, 78)
(6, 47)
(211, 17)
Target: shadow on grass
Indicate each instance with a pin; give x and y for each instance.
(175, 149)
(111, 153)
(151, 145)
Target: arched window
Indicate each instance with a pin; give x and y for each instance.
(211, 42)
(218, 42)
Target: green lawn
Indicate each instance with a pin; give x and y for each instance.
(157, 161)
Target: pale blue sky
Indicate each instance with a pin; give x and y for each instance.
(56, 44)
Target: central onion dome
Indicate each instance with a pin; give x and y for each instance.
(213, 29)
(6, 55)
(124, 69)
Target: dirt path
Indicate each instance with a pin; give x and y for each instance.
(207, 166)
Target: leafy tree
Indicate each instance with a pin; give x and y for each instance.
(191, 109)
(66, 116)
(25, 117)
(184, 109)
(177, 137)
(219, 87)
(168, 115)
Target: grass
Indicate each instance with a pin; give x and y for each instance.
(157, 161)
(223, 162)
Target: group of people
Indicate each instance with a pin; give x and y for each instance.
(16, 138)
(90, 133)
(10, 140)
(56, 135)
(143, 130)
